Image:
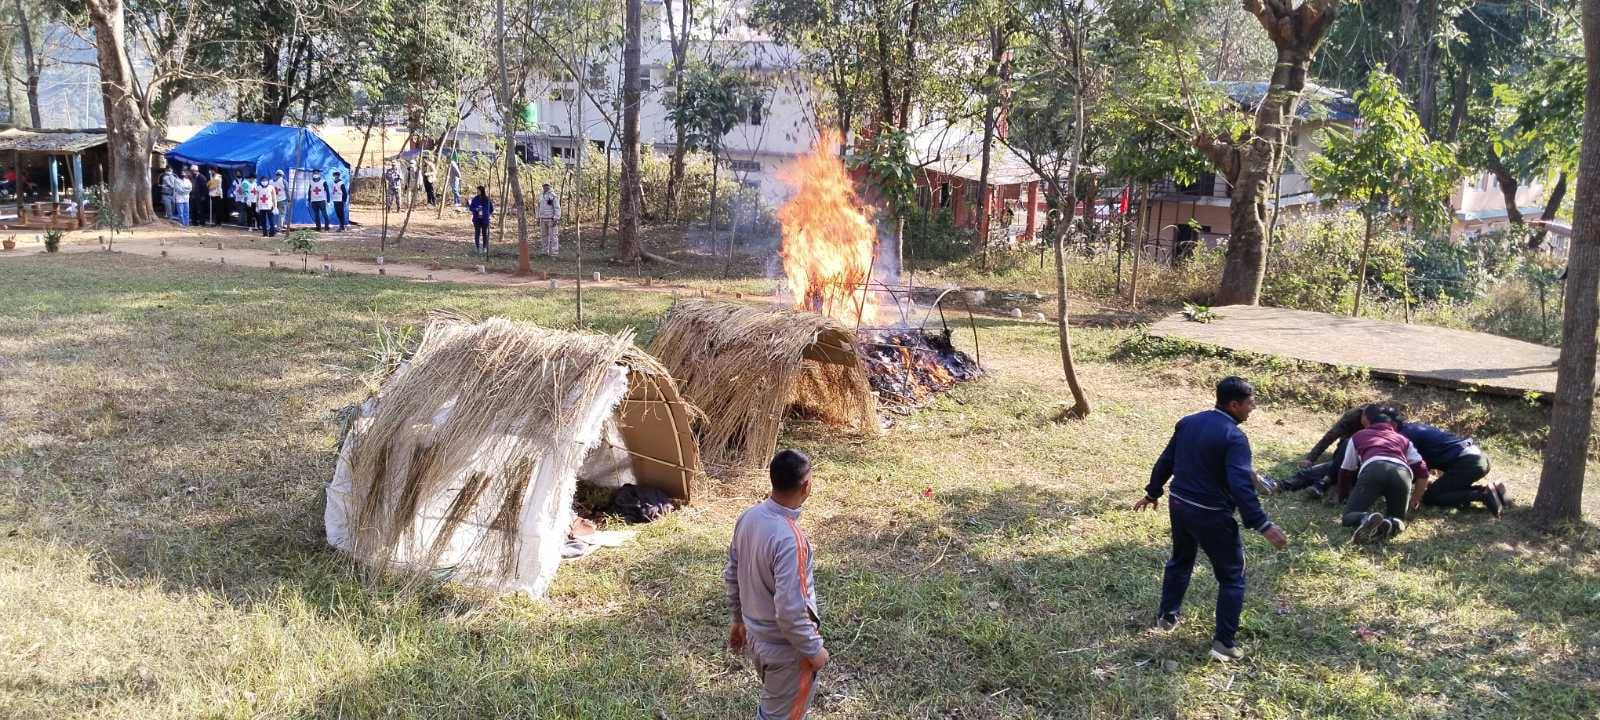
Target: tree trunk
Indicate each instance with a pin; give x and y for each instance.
(991, 102)
(605, 219)
(355, 170)
(1296, 32)
(1560, 497)
(412, 182)
(1551, 207)
(1458, 103)
(1138, 246)
(267, 114)
(679, 39)
(628, 200)
(1080, 401)
(1361, 272)
(508, 124)
(130, 134)
(33, 66)
(1508, 187)
(716, 163)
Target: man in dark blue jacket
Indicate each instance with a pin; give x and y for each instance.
(1208, 461)
(1462, 463)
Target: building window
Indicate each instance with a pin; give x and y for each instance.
(944, 195)
(744, 165)
(562, 95)
(597, 76)
(755, 111)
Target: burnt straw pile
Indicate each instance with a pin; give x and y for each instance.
(908, 366)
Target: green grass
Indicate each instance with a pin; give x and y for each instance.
(167, 435)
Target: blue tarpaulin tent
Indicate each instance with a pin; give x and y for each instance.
(261, 150)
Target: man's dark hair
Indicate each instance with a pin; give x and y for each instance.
(1233, 389)
(788, 470)
(1376, 413)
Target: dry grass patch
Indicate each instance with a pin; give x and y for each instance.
(166, 443)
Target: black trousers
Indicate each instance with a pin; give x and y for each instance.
(338, 211)
(480, 236)
(1454, 487)
(1217, 533)
(1387, 480)
(319, 213)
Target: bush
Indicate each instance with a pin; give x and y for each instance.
(52, 240)
(934, 236)
(1314, 263)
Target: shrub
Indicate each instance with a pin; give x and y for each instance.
(52, 240)
(934, 236)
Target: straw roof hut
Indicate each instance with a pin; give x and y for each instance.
(463, 466)
(747, 366)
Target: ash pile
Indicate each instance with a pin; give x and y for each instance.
(908, 366)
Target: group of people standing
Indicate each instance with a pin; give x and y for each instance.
(193, 196)
(205, 196)
(396, 178)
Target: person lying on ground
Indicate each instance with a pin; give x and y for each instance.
(1208, 461)
(1379, 462)
(1461, 464)
(1318, 476)
(772, 595)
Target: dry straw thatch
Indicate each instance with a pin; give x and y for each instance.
(515, 393)
(745, 366)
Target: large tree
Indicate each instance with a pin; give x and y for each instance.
(130, 131)
(1250, 161)
(630, 201)
(1560, 497)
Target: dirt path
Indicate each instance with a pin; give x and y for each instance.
(227, 245)
(231, 245)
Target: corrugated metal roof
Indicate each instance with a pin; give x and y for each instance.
(1317, 102)
(50, 141)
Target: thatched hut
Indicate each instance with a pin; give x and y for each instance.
(463, 466)
(748, 366)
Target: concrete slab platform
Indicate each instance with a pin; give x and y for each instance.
(1421, 354)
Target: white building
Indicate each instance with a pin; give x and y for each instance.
(780, 127)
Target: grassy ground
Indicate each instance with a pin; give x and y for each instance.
(167, 437)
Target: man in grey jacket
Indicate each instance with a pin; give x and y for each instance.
(771, 594)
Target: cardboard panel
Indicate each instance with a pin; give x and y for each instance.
(655, 424)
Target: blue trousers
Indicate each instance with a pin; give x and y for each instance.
(183, 214)
(269, 222)
(1217, 533)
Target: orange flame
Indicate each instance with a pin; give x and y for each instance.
(829, 239)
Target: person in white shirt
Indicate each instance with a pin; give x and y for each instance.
(549, 216)
(338, 191)
(317, 194)
(168, 180)
(181, 188)
(281, 196)
(267, 207)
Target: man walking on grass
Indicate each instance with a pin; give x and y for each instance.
(1208, 461)
(770, 591)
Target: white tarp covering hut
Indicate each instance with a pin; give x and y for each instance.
(463, 466)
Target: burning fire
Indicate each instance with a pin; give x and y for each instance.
(829, 239)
